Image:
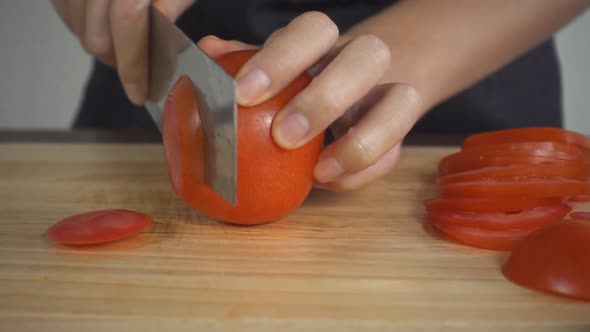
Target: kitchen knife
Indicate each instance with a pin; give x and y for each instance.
(172, 55)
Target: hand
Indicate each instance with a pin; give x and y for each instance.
(369, 119)
(116, 32)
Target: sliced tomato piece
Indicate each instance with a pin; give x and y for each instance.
(99, 226)
(526, 219)
(537, 148)
(183, 137)
(531, 188)
(534, 134)
(490, 204)
(473, 159)
(499, 240)
(518, 172)
(581, 216)
(554, 259)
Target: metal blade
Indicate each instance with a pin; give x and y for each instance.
(172, 55)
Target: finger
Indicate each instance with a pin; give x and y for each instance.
(273, 36)
(173, 8)
(215, 47)
(76, 12)
(129, 26)
(366, 176)
(350, 76)
(383, 127)
(327, 58)
(357, 111)
(303, 42)
(98, 41)
(62, 10)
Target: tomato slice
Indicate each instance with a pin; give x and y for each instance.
(490, 204)
(554, 259)
(526, 219)
(534, 134)
(538, 148)
(581, 215)
(518, 172)
(474, 159)
(531, 188)
(499, 240)
(99, 226)
(183, 137)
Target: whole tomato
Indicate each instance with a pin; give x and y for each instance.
(272, 181)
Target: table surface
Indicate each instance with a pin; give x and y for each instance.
(359, 261)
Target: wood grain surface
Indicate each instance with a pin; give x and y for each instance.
(361, 261)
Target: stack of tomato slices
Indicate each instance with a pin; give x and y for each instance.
(503, 185)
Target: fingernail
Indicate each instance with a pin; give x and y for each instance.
(327, 170)
(291, 129)
(252, 85)
(132, 91)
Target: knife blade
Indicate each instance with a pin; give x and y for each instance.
(172, 55)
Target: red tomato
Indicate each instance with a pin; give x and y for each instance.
(500, 240)
(518, 172)
(534, 134)
(272, 181)
(490, 204)
(554, 259)
(526, 219)
(581, 215)
(99, 226)
(474, 159)
(531, 188)
(540, 148)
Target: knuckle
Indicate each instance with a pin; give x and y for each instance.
(366, 154)
(127, 10)
(376, 48)
(329, 101)
(412, 97)
(273, 36)
(320, 23)
(98, 45)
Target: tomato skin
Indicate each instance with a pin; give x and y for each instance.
(554, 259)
(490, 204)
(473, 159)
(99, 226)
(531, 188)
(272, 181)
(533, 134)
(524, 220)
(540, 148)
(498, 240)
(518, 172)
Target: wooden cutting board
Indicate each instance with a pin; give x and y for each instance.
(362, 261)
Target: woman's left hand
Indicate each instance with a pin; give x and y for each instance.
(368, 117)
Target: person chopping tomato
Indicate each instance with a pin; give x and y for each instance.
(381, 68)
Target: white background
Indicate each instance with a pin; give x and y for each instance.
(43, 69)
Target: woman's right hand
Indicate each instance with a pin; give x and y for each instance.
(116, 32)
